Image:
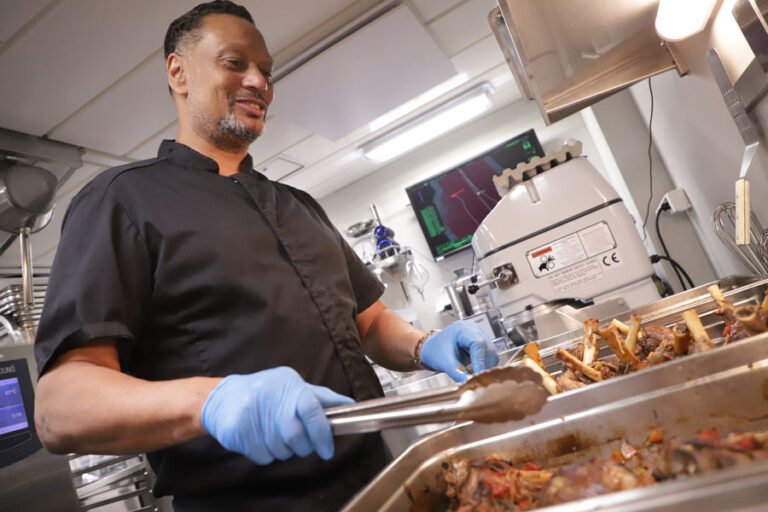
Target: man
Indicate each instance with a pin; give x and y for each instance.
(202, 313)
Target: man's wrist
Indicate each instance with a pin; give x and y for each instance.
(417, 348)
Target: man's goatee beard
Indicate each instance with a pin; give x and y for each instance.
(228, 133)
(232, 133)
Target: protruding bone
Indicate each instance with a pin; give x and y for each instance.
(613, 339)
(717, 295)
(682, 339)
(577, 366)
(547, 380)
(698, 333)
(750, 319)
(590, 342)
(632, 335)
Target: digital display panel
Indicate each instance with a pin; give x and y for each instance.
(13, 417)
(451, 205)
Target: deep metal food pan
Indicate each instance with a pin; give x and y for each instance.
(725, 388)
(664, 312)
(742, 289)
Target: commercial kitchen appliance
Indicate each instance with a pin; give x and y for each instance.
(31, 478)
(561, 237)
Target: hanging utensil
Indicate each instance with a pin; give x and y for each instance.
(492, 396)
(749, 135)
(754, 255)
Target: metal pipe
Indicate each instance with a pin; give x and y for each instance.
(26, 268)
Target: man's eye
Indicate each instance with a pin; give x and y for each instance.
(235, 63)
(267, 75)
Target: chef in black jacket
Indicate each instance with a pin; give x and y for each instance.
(202, 313)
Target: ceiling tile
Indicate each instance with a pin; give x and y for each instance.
(284, 21)
(75, 52)
(110, 122)
(361, 77)
(149, 148)
(14, 14)
(430, 9)
(462, 26)
(478, 58)
(278, 167)
(279, 135)
(316, 175)
(311, 149)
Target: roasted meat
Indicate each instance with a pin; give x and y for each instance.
(658, 345)
(740, 321)
(707, 452)
(636, 346)
(568, 380)
(586, 480)
(495, 484)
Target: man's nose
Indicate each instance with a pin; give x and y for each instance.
(255, 79)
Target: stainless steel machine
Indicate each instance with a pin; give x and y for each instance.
(561, 237)
(31, 478)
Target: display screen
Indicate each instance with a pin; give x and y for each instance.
(13, 417)
(451, 205)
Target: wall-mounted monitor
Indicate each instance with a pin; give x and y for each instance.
(451, 205)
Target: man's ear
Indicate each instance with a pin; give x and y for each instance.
(177, 73)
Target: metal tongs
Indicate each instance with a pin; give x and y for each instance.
(492, 396)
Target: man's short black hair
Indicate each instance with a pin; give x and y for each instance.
(188, 24)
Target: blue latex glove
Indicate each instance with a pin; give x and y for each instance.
(455, 347)
(272, 414)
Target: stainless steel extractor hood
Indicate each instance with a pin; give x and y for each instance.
(569, 54)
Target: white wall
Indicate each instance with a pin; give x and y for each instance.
(696, 136)
(386, 188)
(624, 131)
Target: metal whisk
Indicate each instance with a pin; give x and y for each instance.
(754, 255)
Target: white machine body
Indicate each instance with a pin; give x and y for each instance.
(564, 233)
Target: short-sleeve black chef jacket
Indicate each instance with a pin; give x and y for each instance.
(198, 274)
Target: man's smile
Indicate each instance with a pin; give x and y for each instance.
(252, 107)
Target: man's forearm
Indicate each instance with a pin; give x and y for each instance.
(85, 408)
(390, 341)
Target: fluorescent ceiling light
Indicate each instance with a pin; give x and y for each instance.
(417, 102)
(430, 125)
(679, 19)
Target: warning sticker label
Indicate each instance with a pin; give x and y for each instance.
(571, 249)
(576, 275)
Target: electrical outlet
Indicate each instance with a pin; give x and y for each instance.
(677, 200)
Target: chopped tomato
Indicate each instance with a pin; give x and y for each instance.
(747, 443)
(498, 486)
(709, 436)
(530, 466)
(655, 436)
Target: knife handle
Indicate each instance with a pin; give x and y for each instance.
(742, 216)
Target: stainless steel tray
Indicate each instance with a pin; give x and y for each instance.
(737, 289)
(726, 388)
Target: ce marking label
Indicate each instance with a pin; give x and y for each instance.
(611, 259)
